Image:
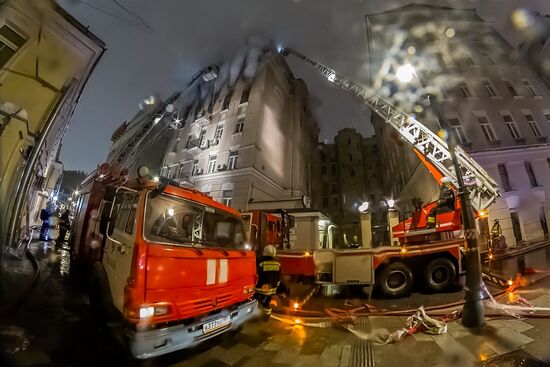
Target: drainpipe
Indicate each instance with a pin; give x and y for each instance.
(29, 168)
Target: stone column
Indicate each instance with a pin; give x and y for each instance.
(366, 229)
(393, 220)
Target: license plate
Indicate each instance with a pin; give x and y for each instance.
(216, 324)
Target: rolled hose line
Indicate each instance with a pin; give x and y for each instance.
(448, 309)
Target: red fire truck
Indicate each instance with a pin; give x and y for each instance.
(428, 254)
(168, 265)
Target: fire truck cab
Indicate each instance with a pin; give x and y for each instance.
(168, 264)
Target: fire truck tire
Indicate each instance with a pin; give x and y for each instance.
(440, 274)
(395, 280)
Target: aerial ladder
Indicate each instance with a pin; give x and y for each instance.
(431, 149)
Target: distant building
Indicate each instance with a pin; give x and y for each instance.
(498, 110)
(536, 49)
(253, 144)
(350, 170)
(46, 58)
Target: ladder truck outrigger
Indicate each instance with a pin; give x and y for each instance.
(167, 266)
(423, 258)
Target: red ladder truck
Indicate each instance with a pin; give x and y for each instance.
(429, 260)
(168, 266)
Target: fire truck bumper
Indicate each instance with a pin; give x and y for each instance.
(152, 343)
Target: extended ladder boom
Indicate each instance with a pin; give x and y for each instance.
(482, 193)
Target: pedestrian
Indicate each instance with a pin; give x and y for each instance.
(269, 278)
(64, 225)
(45, 215)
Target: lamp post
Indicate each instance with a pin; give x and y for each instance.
(472, 312)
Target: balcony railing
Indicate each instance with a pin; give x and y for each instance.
(203, 118)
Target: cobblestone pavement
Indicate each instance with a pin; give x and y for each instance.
(53, 328)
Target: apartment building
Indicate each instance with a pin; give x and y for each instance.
(497, 109)
(46, 58)
(349, 170)
(252, 143)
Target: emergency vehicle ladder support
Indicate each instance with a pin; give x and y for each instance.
(485, 190)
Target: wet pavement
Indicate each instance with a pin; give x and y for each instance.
(54, 328)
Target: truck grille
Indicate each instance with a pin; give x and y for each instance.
(208, 304)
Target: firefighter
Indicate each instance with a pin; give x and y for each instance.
(269, 277)
(445, 203)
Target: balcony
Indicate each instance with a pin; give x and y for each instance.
(203, 118)
(192, 145)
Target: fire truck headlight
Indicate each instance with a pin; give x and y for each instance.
(146, 312)
(247, 247)
(161, 310)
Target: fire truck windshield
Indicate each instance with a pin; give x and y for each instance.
(176, 221)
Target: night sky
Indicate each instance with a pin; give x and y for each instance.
(157, 46)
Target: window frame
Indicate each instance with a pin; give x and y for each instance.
(212, 160)
(232, 160)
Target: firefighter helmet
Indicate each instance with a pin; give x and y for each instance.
(270, 250)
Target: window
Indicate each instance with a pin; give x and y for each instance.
(334, 188)
(333, 168)
(352, 172)
(169, 174)
(530, 174)
(180, 172)
(488, 58)
(124, 212)
(239, 126)
(10, 42)
(510, 87)
(219, 132)
(212, 163)
(458, 130)
(188, 143)
(468, 60)
(504, 179)
(245, 95)
(512, 127)
(227, 100)
(325, 202)
(489, 88)
(335, 201)
(227, 197)
(232, 162)
(486, 128)
(466, 91)
(202, 136)
(548, 162)
(323, 169)
(534, 126)
(350, 158)
(547, 116)
(195, 168)
(530, 88)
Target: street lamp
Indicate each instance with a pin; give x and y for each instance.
(472, 312)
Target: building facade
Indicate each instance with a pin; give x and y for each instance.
(46, 57)
(349, 170)
(496, 108)
(253, 144)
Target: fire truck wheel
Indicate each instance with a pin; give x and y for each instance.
(395, 280)
(440, 274)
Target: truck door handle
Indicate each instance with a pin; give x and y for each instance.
(122, 248)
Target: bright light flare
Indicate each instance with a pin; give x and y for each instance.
(156, 178)
(363, 207)
(391, 203)
(405, 73)
(483, 214)
(297, 321)
(510, 282)
(295, 305)
(403, 250)
(331, 77)
(171, 212)
(307, 254)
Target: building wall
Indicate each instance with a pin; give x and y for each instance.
(477, 56)
(275, 147)
(40, 73)
(350, 176)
